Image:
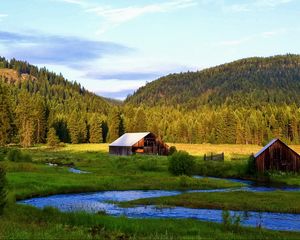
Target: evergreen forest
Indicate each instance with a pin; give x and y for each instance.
(249, 101)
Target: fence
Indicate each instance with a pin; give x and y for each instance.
(214, 157)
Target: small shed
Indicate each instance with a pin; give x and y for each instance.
(276, 155)
(140, 142)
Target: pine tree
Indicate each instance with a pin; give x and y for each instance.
(140, 121)
(25, 119)
(114, 119)
(5, 115)
(95, 129)
(73, 127)
(52, 138)
(39, 116)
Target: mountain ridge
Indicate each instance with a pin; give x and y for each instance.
(247, 82)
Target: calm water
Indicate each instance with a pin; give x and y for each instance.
(94, 202)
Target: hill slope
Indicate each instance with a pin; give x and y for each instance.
(246, 82)
(53, 87)
(33, 100)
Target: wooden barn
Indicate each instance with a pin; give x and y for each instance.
(276, 155)
(141, 142)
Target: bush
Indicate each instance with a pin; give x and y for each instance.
(172, 150)
(230, 221)
(2, 190)
(251, 167)
(148, 165)
(181, 163)
(15, 155)
(3, 152)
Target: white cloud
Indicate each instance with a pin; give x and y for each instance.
(113, 16)
(76, 2)
(235, 42)
(255, 5)
(266, 34)
(2, 16)
(269, 34)
(119, 15)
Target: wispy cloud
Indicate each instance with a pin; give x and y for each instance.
(266, 34)
(81, 3)
(2, 16)
(119, 15)
(114, 16)
(235, 42)
(273, 33)
(123, 75)
(255, 5)
(70, 51)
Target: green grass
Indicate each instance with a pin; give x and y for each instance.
(108, 172)
(24, 222)
(278, 201)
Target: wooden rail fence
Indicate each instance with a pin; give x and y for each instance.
(214, 157)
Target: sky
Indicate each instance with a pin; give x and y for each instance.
(114, 47)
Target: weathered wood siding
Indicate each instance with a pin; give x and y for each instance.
(150, 144)
(120, 150)
(278, 157)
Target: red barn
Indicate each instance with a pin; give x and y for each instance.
(276, 155)
(141, 142)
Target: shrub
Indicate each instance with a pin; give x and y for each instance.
(181, 163)
(3, 152)
(230, 221)
(148, 165)
(2, 190)
(184, 181)
(251, 167)
(172, 150)
(15, 155)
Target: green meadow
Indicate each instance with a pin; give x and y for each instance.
(36, 178)
(278, 201)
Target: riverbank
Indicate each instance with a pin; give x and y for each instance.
(24, 222)
(278, 201)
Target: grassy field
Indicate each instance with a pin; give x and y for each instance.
(107, 173)
(28, 179)
(278, 201)
(228, 149)
(23, 222)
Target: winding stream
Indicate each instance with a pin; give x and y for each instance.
(102, 201)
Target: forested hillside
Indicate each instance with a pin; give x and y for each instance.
(33, 100)
(247, 101)
(247, 82)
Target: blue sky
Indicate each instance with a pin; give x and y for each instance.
(113, 47)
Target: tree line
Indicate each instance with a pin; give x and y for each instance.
(40, 106)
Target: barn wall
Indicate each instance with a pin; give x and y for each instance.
(124, 151)
(278, 157)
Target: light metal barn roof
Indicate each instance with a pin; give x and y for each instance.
(128, 139)
(265, 147)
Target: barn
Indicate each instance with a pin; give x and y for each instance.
(276, 155)
(140, 142)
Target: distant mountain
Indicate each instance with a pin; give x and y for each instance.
(246, 82)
